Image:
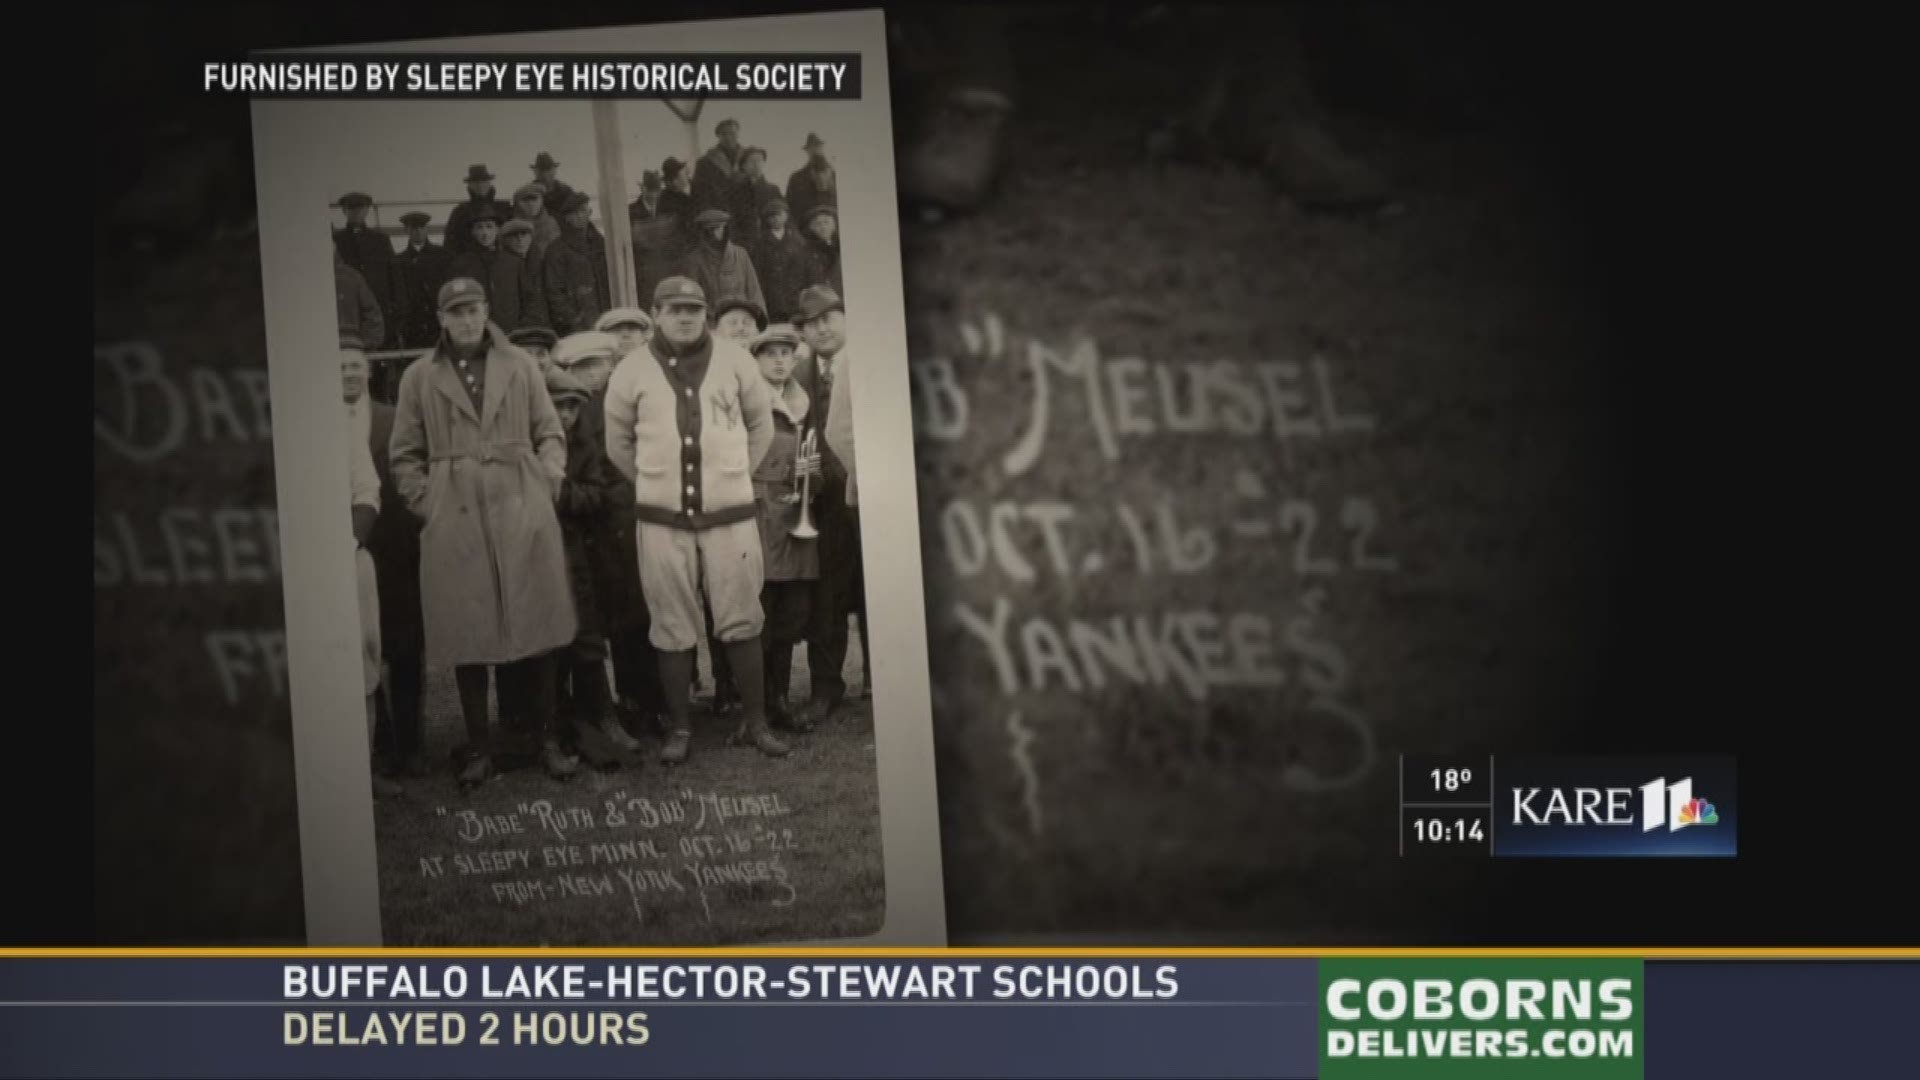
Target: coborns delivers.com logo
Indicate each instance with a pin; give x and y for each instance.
(1584, 807)
(1484, 1019)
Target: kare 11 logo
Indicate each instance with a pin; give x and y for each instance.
(1615, 807)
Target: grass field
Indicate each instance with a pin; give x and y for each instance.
(826, 843)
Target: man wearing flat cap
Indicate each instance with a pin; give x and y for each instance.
(714, 174)
(720, 266)
(751, 192)
(813, 183)
(688, 421)
(516, 237)
(419, 271)
(480, 195)
(368, 251)
(530, 205)
(780, 259)
(575, 271)
(820, 234)
(479, 454)
(546, 173)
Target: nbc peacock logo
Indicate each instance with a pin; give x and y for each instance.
(1673, 806)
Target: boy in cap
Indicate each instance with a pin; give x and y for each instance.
(739, 320)
(479, 196)
(792, 562)
(585, 510)
(517, 235)
(591, 357)
(822, 236)
(688, 421)
(479, 454)
(813, 183)
(720, 266)
(419, 271)
(630, 328)
(575, 271)
(537, 342)
(780, 259)
(530, 206)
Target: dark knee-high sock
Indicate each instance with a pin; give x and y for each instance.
(541, 696)
(676, 675)
(745, 660)
(471, 681)
(590, 695)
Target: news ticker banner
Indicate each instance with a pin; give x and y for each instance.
(558, 76)
(1236, 1013)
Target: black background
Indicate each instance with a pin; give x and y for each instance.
(1732, 204)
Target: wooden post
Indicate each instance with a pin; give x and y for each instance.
(622, 280)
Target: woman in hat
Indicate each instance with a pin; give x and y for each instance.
(479, 195)
(676, 188)
(821, 234)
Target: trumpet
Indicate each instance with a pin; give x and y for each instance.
(803, 529)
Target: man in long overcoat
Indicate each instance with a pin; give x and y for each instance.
(479, 453)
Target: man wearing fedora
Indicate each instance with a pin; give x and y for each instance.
(841, 588)
(676, 193)
(479, 194)
(418, 271)
(546, 173)
(479, 454)
(575, 271)
(813, 183)
(367, 251)
(688, 421)
(714, 174)
(500, 272)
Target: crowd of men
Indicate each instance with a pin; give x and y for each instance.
(556, 486)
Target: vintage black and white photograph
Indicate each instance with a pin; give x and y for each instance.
(593, 365)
